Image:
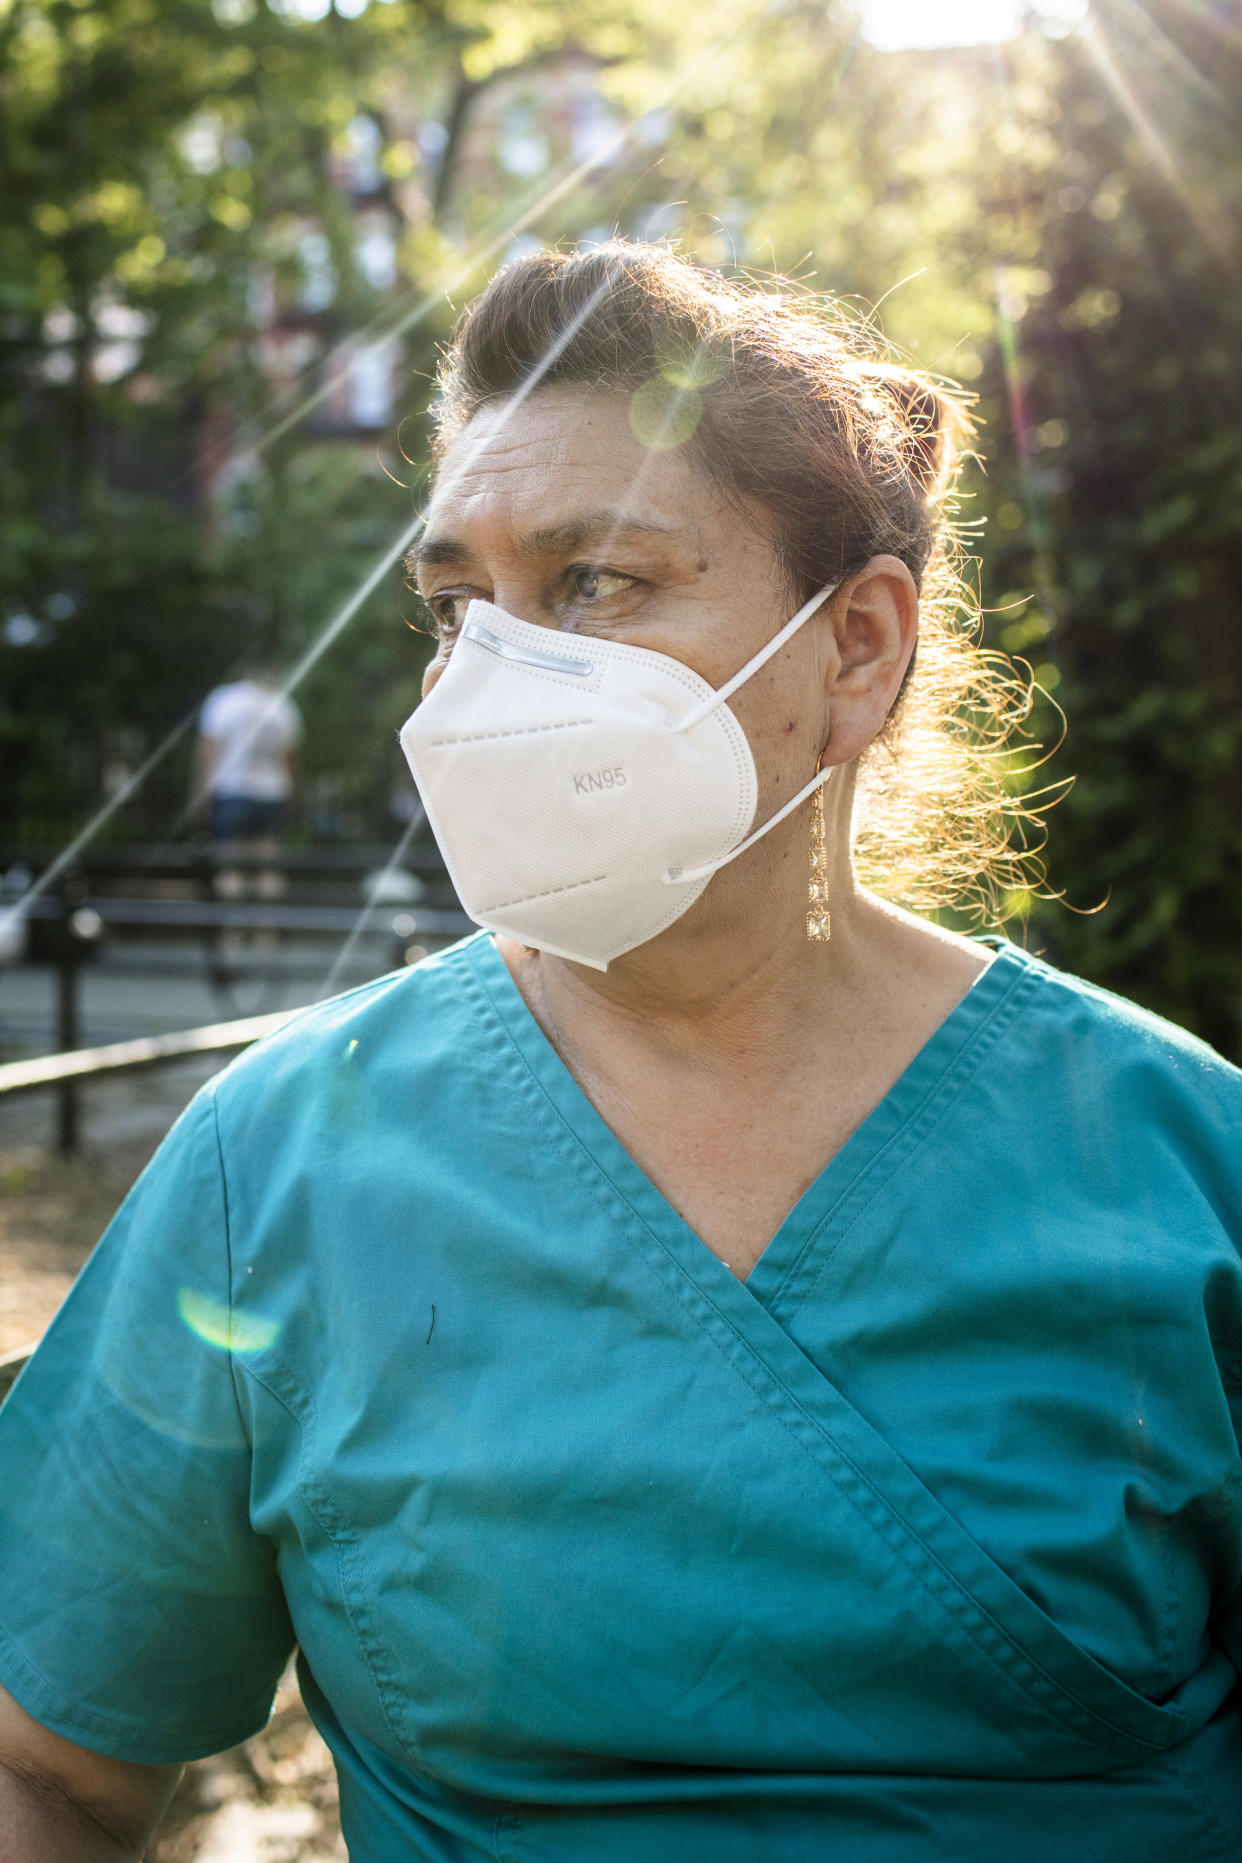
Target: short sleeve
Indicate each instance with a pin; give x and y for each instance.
(213, 718)
(290, 720)
(140, 1613)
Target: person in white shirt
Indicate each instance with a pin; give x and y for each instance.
(248, 732)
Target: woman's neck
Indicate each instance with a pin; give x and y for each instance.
(737, 980)
(732, 1076)
(728, 988)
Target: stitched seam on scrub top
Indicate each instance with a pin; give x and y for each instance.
(1053, 1696)
(940, 1098)
(507, 1824)
(91, 1721)
(918, 1130)
(228, 1263)
(338, 1532)
(1171, 1610)
(942, 1094)
(485, 737)
(1018, 1667)
(284, 1375)
(1196, 1788)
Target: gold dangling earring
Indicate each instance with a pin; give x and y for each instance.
(818, 917)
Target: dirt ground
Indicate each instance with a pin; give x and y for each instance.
(272, 1800)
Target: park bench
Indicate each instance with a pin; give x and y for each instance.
(10, 1364)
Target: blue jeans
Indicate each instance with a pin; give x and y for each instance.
(244, 818)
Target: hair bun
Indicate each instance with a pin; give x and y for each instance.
(932, 423)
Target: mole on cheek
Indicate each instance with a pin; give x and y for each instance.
(703, 566)
(789, 727)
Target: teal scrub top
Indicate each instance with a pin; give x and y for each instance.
(924, 1543)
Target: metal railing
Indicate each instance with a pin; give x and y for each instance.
(10, 1364)
(67, 928)
(52, 1070)
(59, 1070)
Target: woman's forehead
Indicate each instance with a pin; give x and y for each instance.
(563, 450)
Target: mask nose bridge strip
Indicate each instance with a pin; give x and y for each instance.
(723, 693)
(524, 656)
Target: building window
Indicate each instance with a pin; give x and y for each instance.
(363, 142)
(376, 253)
(370, 385)
(522, 146)
(318, 291)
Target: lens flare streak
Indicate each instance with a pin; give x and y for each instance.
(1220, 240)
(223, 1326)
(388, 324)
(462, 465)
(374, 904)
(1019, 416)
(562, 187)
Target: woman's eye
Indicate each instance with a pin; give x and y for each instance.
(596, 585)
(448, 611)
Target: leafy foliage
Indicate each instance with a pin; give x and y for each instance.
(1055, 222)
(1119, 473)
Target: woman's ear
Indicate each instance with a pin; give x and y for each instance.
(875, 619)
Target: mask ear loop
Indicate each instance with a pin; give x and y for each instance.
(723, 693)
(675, 877)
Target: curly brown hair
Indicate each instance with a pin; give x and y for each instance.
(787, 401)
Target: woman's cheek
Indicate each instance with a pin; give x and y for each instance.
(434, 669)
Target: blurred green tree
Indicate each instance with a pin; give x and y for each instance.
(1115, 453)
(158, 164)
(210, 210)
(1057, 222)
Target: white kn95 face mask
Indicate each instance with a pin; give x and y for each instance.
(583, 792)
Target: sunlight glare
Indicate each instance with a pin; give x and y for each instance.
(219, 1324)
(374, 903)
(899, 25)
(1219, 237)
(386, 327)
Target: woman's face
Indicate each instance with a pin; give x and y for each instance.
(555, 511)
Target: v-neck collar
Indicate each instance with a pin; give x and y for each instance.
(795, 1256)
(1047, 1693)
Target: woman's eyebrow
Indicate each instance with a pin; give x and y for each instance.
(429, 550)
(548, 539)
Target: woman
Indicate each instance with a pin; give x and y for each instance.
(716, 1367)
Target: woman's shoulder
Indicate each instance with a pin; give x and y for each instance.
(1103, 1018)
(1083, 1061)
(427, 1015)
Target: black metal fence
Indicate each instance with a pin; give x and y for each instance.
(175, 895)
